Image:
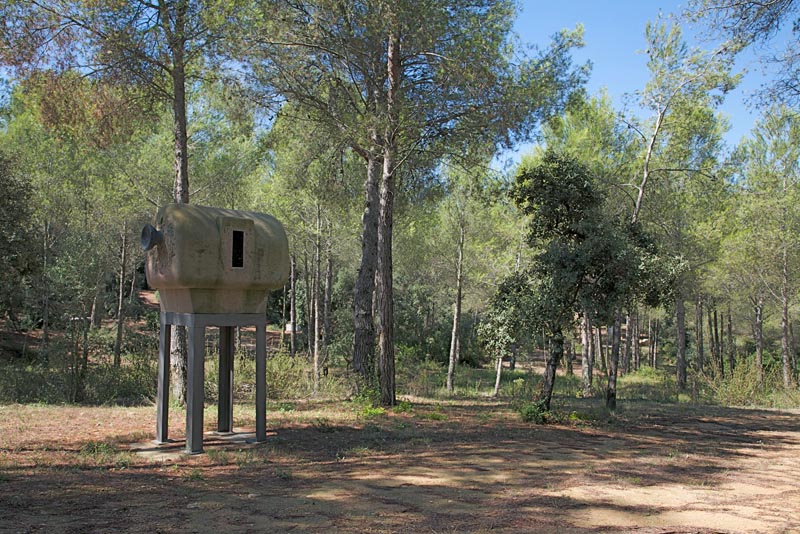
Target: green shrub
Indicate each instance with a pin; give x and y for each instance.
(367, 397)
(373, 411)
(519, 388)
(133, 383)
(415, 376)
(287, 377)
(645, 383)
(403, 406)
(742, 388)
(535, 412)
(435, 415)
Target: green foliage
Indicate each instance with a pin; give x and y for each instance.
(17, 256)
(98, 449)
(287, 378)
(647, 383)
(373, 411)
(368, 397)
(432, 415)
(742, 388)
(104, 454)
(744, 24)
(521, 388)
(285, 407)
(418, 376)
(84, 160)
(403, 406)
(535, 412)
(132, 384)
(559, 195)
(507, 320)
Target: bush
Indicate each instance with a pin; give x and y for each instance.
(420, 377)
(133, 383)
(535, 412)
(287, 378)
(645, 383)
(128, 385)
(520, 388)
(742, 387)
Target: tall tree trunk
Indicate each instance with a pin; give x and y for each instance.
(498, 375)
(176, 38)
(656, 333)
(712, 345)
(317, 298)
(601, 352)
(327, 301)
(308, 279)
(177, 44)
(699, 324)
(554, 356)
(293, 307)
(680, 361)
(730, 345)
(385, 219)
(718, 345)
(758, 307)
(792, 351)
(650, 339)
(626, 355)
(455, 341)
(132, 293)
(586, 354)
(46, 288)
(613, 363)
(121, 296)
(785, 357)
(283, 316)
(651, 144)
(96, 314)
(568, 355)
(786, 367)
(364, 324)
(637, 349)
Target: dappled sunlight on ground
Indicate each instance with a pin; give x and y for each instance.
(470, 466)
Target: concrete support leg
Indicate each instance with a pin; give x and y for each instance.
(194, 389)
(225, 407)
(261, 383)
(162, 410)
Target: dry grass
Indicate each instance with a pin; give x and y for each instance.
(456, 466)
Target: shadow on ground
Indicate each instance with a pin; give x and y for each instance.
(468, 467)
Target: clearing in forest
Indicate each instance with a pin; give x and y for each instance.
(460, 466)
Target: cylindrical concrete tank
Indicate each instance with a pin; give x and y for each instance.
(214, 260)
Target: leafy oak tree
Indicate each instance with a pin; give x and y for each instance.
(587, 259)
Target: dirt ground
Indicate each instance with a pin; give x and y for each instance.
(468, 466)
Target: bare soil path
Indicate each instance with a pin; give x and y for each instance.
(469, 466)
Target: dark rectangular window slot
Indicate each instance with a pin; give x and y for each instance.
(237, 254)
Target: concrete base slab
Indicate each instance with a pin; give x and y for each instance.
(174, 449)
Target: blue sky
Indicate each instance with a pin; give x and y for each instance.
(614, 36)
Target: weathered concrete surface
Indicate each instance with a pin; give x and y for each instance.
(194, 266)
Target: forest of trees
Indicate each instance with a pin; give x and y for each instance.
(626, 238)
